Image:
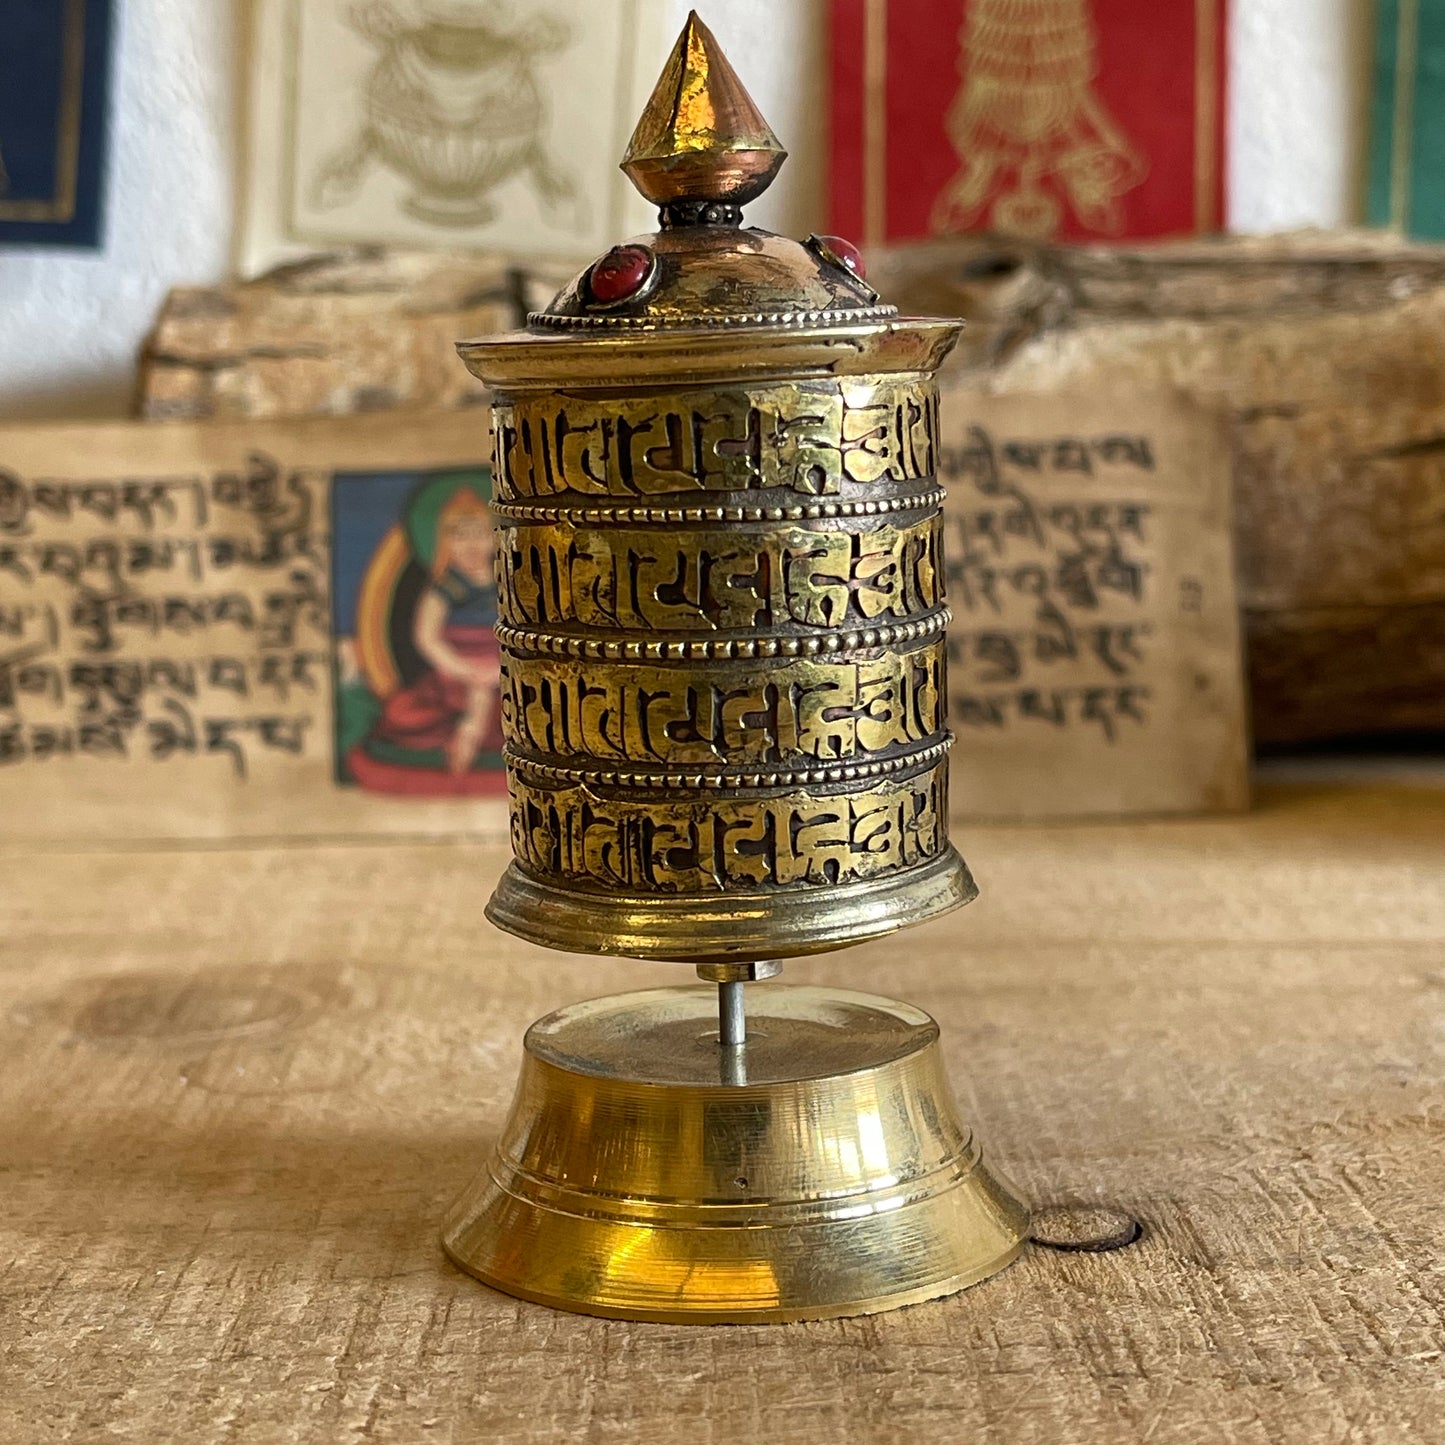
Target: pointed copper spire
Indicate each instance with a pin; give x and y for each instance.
(701, 138)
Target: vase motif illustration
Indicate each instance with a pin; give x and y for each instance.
(1029, 129)
(454, 106)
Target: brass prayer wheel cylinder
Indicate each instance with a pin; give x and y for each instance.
(720, 591)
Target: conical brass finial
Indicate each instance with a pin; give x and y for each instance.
(702, 147)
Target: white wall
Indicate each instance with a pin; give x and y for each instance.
(1299, 77)
(71, 323)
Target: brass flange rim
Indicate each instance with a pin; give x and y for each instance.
(784, 923)
(883, 1304)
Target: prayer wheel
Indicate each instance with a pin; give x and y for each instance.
(721, 598)
(722, 628)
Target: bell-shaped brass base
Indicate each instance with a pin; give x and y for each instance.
(649, 1173)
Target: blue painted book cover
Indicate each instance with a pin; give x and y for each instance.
(54, 78)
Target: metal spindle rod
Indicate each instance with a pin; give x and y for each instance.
(732, 1018)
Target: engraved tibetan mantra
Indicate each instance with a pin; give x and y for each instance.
(790, 654)
(807, 439)
(798, 713)
(678, 577)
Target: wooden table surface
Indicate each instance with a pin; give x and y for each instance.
(239, 1087)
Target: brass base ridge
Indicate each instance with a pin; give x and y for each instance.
(687, 929)
(648, 1172)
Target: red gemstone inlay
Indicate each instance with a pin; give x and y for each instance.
(619, 274)
(847, 253)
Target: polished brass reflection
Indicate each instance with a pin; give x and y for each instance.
(701, 137)
(634, 1179)
(722, 627)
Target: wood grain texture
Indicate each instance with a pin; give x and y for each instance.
(241, 1084)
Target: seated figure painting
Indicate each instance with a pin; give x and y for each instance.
(415, 602)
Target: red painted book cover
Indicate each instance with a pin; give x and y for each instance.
(1052, 119)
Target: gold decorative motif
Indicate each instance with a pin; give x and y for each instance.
(851, 772)
(454, 106)
(549, 321)
(670, 516)
(818, 644)
(1028, 126)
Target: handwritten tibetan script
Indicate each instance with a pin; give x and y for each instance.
(165, 615)
(1093, 656)
(167, 660)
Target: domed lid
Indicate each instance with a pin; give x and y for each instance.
(700, 152)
